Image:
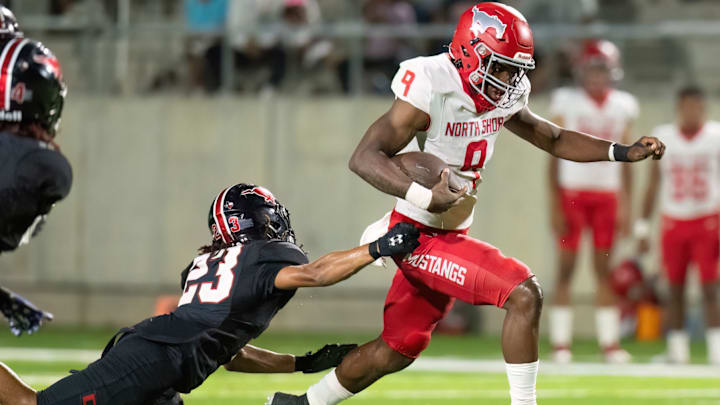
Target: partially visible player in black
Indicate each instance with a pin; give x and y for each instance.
(232, 290)
(34, 175)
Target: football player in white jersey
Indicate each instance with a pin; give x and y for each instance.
(688, 181)
(590, 195)
(453, 105)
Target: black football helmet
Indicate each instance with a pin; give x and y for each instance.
(31, 84)
(246, 212)
(9, 27)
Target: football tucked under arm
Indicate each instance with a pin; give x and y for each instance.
(425, 169)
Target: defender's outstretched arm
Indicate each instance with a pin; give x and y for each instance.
(577, 146)
(337, 266)
(252, 359)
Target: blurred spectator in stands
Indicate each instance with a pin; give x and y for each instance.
(89, 10)
(383, 54)
(59, 7)
(264, 31)
(205, 22)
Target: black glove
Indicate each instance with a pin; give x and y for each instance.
(401, 238)
(323, 359)
(22, 315)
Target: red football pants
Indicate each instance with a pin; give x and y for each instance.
(447, 265)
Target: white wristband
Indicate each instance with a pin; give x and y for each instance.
(419, 196)
(641, 228)
(611, 152)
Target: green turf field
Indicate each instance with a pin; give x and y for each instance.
(408, 387)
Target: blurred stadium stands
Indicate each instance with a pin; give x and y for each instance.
(151, 141)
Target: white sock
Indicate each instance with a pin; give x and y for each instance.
(328, 391)
(678, 343)
(561, 326)
(522, 379)
(713, 344)
(607, 326)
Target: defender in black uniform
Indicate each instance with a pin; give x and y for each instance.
(231, 292)
(34, 175)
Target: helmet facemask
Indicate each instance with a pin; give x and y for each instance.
(279, 227)
(492, 62)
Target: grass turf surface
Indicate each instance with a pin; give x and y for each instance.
(409, 387)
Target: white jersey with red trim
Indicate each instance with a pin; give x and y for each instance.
(457, 134)
(607, 120)
(690, 171)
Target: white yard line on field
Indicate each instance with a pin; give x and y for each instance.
(41, 354)
(438, 364)
(572, 369)
(481, 393)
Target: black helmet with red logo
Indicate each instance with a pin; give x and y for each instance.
(31, 85)
(246, 212)
(9, 27)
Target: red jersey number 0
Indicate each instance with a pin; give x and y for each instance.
(475, 155)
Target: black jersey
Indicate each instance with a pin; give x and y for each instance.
(33, 177)
(229, 298)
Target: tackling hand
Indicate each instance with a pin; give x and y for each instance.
(400, 239)
(443, 197)
(645, 147)
(22, 315)
(327, 357)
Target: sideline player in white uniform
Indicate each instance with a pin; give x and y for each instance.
(590, 195)
(688, 180)
(453, 105)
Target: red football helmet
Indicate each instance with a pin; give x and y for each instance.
(492, 37)
(602, 53)
(627, 280)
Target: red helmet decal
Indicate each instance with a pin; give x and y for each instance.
(482, 21)
(51, 62)
(260, 191)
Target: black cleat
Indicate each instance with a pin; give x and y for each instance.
(280, 398)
